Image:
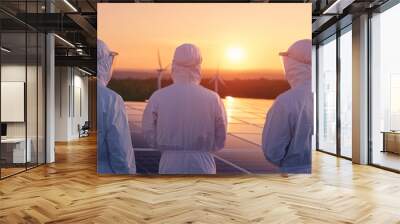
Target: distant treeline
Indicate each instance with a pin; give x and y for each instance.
(141, 89)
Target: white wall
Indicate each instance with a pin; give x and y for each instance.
(81, 102)
(71, 94)
(15, 73)
(62, 81)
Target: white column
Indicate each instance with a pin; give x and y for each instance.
(50, 100)
(360, 89)
(50, 91)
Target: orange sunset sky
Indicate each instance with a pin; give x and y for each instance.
(238, 36)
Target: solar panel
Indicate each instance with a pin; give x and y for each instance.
(242, 152)
(147, 161)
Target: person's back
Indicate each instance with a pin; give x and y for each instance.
(115, 152)
(289, 126)
(114, 146)
(187, 123)
(296, 105)
(185, 109)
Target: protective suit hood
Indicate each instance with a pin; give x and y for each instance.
(104, 63)
(186, 65)
(115, 152)
(297, 62)
(296, 72)
(289, 125)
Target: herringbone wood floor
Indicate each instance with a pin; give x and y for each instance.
(70, 191)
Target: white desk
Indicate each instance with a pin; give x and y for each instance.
(18, 149)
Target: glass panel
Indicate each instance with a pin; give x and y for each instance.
(13, 87)
(41, 98)
(385, 84)
(314, 82)
(31, 98)
(346, 94)
(23, 90)
(32, 89)
(327, 96)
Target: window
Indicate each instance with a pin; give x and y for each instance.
(346, 92)
(385, 89)
(327, 96)
(22, 89)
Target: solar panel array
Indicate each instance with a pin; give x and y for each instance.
(242, 152)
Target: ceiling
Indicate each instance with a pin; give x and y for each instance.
(75, 21)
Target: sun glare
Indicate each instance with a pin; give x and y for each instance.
(235, 54)
(229, 99)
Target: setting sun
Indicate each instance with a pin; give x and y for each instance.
(235, 54)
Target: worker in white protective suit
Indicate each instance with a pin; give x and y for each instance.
(185, 121)
(287, 132)
(114, 145)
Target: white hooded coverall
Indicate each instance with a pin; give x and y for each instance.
(114, 146)
(185, 121)
(288, 129)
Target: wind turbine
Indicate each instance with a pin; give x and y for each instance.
(216, 80)
(160, 70)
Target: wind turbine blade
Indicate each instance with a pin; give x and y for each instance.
(212, 80)
(159, 59)
(221, 81)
